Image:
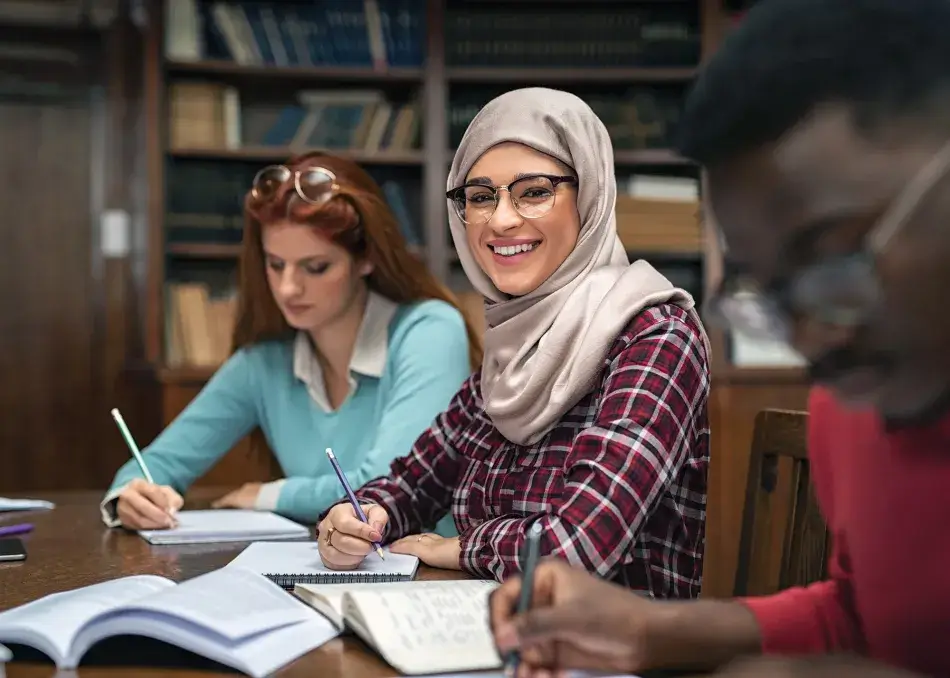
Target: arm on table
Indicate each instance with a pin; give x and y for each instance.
(429, 363)
(619, 467)
(223, 412)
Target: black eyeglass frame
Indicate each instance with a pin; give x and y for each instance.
(457, 193)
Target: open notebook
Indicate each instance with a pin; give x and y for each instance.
(417, 627)
(291, 563)
(231, 616)
(226, 525)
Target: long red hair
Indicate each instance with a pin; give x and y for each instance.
(358, 219)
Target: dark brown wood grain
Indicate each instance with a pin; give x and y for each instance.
(70, 547)
(784, 541)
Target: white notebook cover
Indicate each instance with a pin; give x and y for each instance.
(227, 525)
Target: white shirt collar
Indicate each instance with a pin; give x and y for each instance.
(369, 353)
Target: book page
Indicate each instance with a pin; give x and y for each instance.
(60, 616)
(427, 627)
(233, 603)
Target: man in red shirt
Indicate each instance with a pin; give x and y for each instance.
(824, 126)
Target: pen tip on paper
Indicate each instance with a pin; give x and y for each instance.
(380, 552)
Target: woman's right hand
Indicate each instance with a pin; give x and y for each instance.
(145, 506)
(344, 540)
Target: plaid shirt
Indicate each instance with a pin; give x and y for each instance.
(619, 485)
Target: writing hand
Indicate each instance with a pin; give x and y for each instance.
(344, 540)
(576, 621)
(145, 506)
(432, 549)
(244, 497)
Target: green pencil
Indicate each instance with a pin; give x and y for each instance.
(133, 448)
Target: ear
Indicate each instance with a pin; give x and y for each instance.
(365, 267)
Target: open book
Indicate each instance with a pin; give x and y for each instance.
(417, 627)
(231, 616)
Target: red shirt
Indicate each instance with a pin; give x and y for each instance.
(886, 498)
(619, 485)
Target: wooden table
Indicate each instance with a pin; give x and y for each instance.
(70, 547)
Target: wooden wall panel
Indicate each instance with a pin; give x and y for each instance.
(735, 401)
(49, 396)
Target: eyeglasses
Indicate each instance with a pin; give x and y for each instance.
(842, 291)
(314, 185)
(532, 196)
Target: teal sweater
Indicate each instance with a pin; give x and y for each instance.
(427, 362)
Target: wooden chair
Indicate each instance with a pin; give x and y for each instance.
(784, 541)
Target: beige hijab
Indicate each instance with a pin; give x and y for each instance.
(544, 351)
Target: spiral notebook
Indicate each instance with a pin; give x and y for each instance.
(290, 563)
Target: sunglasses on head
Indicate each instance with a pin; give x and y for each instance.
(313, 185)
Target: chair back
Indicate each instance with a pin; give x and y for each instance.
(784, 541)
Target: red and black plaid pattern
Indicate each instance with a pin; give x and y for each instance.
(619, 485)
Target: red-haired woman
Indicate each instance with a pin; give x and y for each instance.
(343, 340)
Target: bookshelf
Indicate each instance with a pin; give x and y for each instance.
(447, 57)
(451, 60)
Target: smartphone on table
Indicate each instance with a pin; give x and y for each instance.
(12, 549)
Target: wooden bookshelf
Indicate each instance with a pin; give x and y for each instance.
(204, 250)
(560, 76)
(211, 67)
(275, 153)
(434, 82)
(737, 393)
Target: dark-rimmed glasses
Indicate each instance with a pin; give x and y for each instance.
(532, 196)
(841, 291)
(313, 185)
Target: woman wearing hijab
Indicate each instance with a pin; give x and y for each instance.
(589, 413)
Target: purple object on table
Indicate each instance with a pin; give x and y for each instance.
(10, 530)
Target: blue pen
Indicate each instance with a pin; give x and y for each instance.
(352, 497)
(10, 530)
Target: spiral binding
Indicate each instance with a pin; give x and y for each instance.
(288, 581)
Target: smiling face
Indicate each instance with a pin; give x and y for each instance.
(314, 281)
(517, 252)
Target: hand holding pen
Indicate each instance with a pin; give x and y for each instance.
(577, 621)
(350, 531)
(143, 505)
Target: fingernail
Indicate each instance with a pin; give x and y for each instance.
(375, 536)
(378, 527)
(506, 638)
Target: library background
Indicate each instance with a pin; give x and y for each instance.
(169, 108)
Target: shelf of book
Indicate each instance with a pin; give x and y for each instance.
(569, 76)
(276, 153)
(435, 64)
(215, 67)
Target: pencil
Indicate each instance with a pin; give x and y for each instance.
(133, 448)
(351, 496)
(533, 547)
